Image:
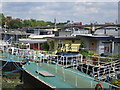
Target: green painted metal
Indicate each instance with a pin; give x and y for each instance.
(9, 56)
(64, 78)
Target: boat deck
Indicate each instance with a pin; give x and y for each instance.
(64, 78)
(6, 56)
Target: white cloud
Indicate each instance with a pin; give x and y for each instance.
(88, 3)
(59, 0)
(39, 8)
(0, 7)
(93, 10)
(77, 11)
(86, 10)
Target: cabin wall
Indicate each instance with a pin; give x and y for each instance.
(93, 45)
(100, 48)
(117, 48)
(105, 46)
(75, 43)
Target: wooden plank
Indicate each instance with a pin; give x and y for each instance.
(45, 73)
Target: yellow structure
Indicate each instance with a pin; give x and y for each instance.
(71, 47)
(65, 44)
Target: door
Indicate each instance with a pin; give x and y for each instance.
(93, 45)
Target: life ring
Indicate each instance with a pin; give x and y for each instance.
(97, 86)
(106, 49)
(84, 60)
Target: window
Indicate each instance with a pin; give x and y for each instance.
(92, 43)
(59, 44)
(73, 41)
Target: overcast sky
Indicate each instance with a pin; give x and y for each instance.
(75, 11)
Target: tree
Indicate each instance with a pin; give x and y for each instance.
(2, 19)
(27, 23)
(14, 24)
(45, 46)
(64, 23)
(49, 23)
(33, 23)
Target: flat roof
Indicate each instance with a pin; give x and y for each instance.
(65, 37)
(29, 40)
(99, 36)
(16, 33)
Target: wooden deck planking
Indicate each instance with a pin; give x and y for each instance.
(45, 73)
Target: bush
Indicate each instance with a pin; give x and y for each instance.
(86, 52)
(116, 82)
(45, 46)
(115, 56)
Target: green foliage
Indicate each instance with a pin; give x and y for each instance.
(82, 45)
(45, 46)
(14, 24)
(51, 45)
(11, 81)
(91, 53)
(109, 60)
(33, 22)
(61, 23)
(116, 56)
(86, 52)
(2, 19)
(116, 82)
(26, 23)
